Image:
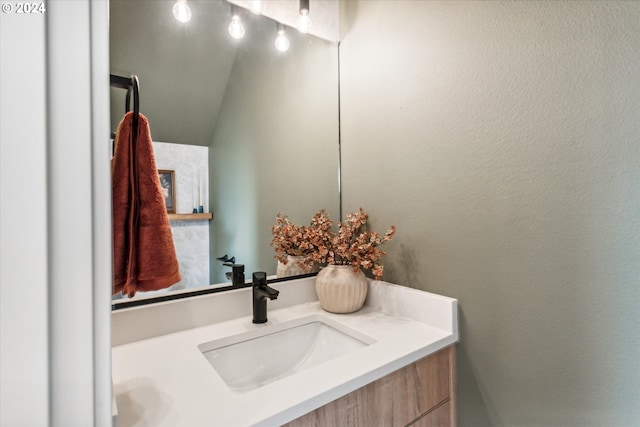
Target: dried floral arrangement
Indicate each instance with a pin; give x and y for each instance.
(291, 239)
(352, 245)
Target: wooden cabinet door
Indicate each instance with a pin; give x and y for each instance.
(394, 400)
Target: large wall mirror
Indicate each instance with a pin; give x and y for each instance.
(268, 119)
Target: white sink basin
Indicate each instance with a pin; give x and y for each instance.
(252, 359)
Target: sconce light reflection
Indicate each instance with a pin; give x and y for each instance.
(282, 42)
(181, 11)
(236, 29)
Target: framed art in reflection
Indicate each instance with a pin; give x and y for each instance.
(168, 185)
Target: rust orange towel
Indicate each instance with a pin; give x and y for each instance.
(144, 257)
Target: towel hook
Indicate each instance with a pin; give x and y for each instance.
(135, 84)
(132, 85)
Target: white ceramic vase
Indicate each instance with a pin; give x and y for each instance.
(291, 268)
(340, 289)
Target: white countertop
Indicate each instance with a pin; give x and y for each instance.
(166, 380)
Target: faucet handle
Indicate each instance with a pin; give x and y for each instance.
(234, 266)
(237, 273)
(259, 278)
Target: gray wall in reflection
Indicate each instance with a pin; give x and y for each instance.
(183, 68)
(275, 144)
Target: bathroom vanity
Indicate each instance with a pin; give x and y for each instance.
(390, 363)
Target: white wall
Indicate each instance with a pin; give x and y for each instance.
(191, 238)
(55, 248)
(23, 227)
(501, 138)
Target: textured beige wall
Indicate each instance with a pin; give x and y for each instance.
(502, 139)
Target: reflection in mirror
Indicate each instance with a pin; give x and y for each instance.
(268, 121)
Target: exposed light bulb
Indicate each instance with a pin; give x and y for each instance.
(255, 6)
(181, 11)
(236, 29)
(304, 21)
(282, 42)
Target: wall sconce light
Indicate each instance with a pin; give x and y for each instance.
(181, 11)
(304, 21)
(282, 42)
(236, 29)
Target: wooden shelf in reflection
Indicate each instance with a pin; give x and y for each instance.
(190, 216)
